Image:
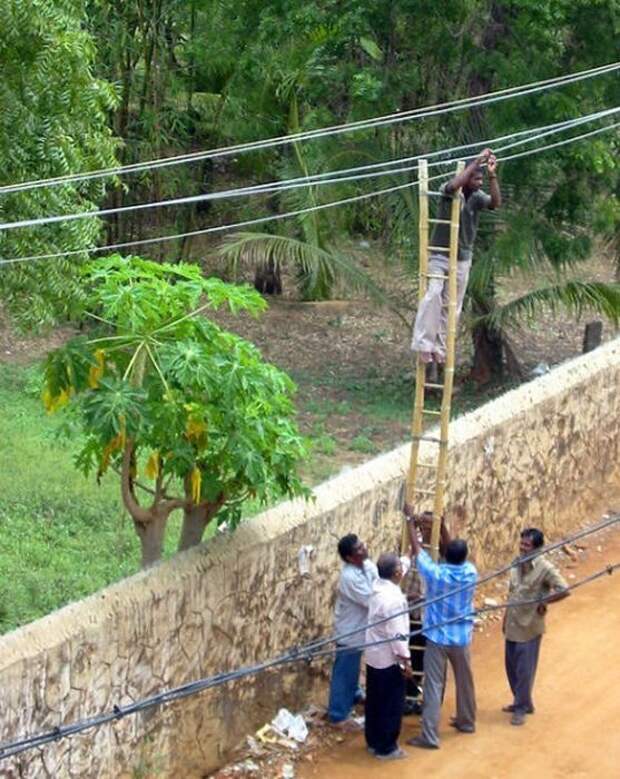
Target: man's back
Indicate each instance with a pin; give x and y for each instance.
(455, 610)
(468, 225)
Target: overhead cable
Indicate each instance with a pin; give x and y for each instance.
(285, 215)
(364, 124)
(320, 179)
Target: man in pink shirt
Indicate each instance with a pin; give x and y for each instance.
(387, 663)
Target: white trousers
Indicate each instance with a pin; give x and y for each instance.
(429, 330)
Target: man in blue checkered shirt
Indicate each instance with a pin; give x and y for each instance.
(448, 627)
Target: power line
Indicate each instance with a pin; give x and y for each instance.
(401, 116)
(422, 602)
(278, 217)
(472, 613)
(319, 179)
(10, 749)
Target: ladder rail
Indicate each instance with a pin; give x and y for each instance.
(417, 418)
(437, 493)
(448, 379)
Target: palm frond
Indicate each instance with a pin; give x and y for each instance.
(575, 296)
(256, 249)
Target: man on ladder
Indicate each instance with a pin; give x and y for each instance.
(429, 332)
(444, 266)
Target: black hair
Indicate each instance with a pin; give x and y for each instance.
(478, 168)
(456, 551)
(537, 537)
(387, 565)
(346, 545)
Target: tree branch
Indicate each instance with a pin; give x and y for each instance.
(144, 487)
(174, 503)
(138, 513)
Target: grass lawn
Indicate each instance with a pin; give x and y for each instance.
(61, 536)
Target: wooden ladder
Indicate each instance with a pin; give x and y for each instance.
(421, 497)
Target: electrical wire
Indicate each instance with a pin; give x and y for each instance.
(608, 570)
(12, 748)
(397, 117)
(320, 179)
(423, 602)
(285, 215)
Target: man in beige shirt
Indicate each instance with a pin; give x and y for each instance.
(535, 580)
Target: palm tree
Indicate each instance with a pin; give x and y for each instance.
(550, 251)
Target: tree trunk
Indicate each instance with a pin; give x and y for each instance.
(150, 523)
(195, 521)
(267, 279)
(488, 350)
(151, 534)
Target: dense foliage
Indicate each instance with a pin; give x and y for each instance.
(54, 121)
(181, 76)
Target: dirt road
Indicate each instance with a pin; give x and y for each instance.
(574, 732)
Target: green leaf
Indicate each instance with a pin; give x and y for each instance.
(371, 48)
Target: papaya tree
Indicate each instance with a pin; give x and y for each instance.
(187, 414)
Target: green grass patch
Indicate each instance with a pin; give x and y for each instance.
(62, 537)
(362, 443)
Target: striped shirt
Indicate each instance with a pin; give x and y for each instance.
(441, 579)
(387, 599)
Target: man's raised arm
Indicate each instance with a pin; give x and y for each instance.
(496, 195)
(462, 178)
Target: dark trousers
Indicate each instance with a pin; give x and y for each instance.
(521, 663)
(344, 683)
(385, 698)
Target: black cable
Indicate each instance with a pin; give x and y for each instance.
(15, 747)
(606, 571)
(421, 602)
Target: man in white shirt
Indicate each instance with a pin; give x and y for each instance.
(351, 616)
(387, 662)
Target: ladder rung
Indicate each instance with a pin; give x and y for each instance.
(439, 248)
(440, 221)
(417, 673)
(434, 193)
(427, 465)
(431, 438)
(430, 385)
(431, 412)
(424, 492)
(441, 276)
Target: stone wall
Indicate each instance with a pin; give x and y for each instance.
(545, 454)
